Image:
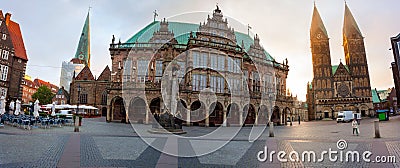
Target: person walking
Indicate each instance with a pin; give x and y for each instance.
(354, 124)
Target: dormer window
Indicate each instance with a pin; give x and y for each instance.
(4, 37)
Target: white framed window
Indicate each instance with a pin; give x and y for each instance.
(199, 82)
(159, 71)
(4, 72)
(3, 92)
(4, 54)
(4, 37)
(142, 70)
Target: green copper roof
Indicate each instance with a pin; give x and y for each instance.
(375, 97)
(182, 31)
(83, 50)
(334, 68)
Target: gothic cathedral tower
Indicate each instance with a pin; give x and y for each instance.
(355, 56)
(321, 58)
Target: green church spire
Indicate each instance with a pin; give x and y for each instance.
(83, 50)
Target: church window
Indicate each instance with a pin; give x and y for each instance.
(4, 37)
(104, 98)
(83, 98)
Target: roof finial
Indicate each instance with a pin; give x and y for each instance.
(155, 15)
(314, 3)
(345, 2)
(248, 29)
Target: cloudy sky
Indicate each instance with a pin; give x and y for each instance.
(51, 30)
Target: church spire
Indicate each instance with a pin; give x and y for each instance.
(83, 50)
(350, 26)
(317, 24)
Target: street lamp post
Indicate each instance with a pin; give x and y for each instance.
(77, 110)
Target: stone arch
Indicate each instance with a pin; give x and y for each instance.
(276, 116)
(216, 114)
(197, 113)
(232, 114)
(263, 114)
(104, 111)
(118, 109)
(364, 110)
(250, 113)
(182, 110)
(155, 106)
(137, 110)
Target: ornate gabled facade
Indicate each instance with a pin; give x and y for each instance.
(206, 58)
(93, 91)
(338, 87)
(13, 58)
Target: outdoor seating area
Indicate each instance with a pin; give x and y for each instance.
(30, 122)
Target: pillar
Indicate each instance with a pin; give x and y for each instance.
(187, 117)
(256, 120)
(224, 121)
(207, 115)
(240, 118)
(147, 115)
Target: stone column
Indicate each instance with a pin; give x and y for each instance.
(281, 118)
(207, 115)
(224, 120)
(256, 121)
(147, 115)
(188, 117)
(240, 118)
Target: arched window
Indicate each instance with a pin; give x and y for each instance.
(104, 98)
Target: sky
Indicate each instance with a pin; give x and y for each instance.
(51, 30)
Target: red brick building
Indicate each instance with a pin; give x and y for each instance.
(49, 85)
(28, 89)
(13, 58)
(93, 91)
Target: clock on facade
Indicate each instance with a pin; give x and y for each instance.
(319, 36)
(343, 90)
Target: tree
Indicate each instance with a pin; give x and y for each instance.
(43, 94)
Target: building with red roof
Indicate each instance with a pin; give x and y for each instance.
(13, 58)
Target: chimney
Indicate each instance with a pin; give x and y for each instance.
(8, 16)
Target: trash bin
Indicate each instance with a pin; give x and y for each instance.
(382, 116)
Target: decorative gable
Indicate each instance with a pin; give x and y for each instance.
(85, 74)
(105, 75)
(341, 73)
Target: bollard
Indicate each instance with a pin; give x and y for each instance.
(376, 125)
(76, 129)
(271, 129)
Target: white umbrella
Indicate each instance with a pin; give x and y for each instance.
(17, 107)
(36, 109)
(12, 106)
(2, 105)
(53, 109)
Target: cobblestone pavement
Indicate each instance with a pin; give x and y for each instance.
(118, 145)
